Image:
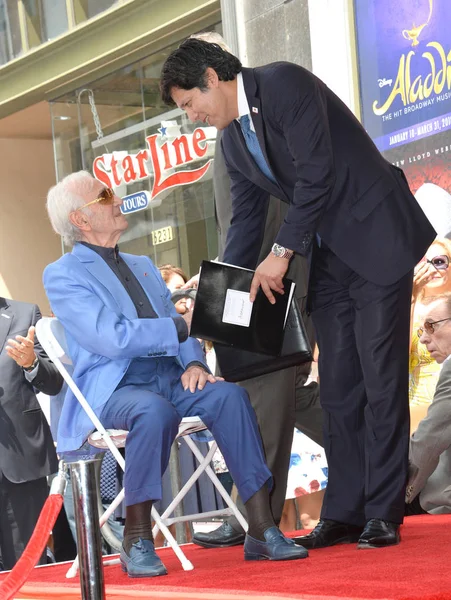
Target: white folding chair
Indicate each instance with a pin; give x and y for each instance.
(52, 338)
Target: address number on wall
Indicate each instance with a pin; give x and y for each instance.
(160, 236)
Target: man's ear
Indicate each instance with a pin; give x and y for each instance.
(211, 77)
(80, 220)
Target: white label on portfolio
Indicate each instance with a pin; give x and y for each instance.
(237, 309)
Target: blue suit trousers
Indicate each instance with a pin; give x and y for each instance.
(150, 402)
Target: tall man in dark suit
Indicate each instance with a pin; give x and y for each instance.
(27, 453)
(287, 134)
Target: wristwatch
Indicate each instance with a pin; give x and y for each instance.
(32, 366)
(281, 252)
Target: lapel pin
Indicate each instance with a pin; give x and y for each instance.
(145, 274)
(255, 109)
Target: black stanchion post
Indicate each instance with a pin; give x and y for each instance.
(88, 531)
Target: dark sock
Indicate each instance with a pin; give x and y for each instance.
(259, 513)
(137, 524)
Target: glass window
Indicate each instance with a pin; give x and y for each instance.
(152, 155)
(10, 40)
(46, 19)
(54, 18)
(86, 9)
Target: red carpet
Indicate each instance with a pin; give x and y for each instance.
(417, 569)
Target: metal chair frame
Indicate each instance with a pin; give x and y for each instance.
(51, 335)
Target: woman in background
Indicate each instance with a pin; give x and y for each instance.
(175, 279)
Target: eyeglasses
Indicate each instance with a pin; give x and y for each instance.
(441, 263)
(428, 326)
(105, 197)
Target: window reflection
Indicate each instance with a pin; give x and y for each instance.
(54, 18)
(86, 9)
(109, 123)
(45, 20)
(10, 40)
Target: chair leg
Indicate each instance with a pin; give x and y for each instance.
(188, 485)
(212, 475)
(112, 507)
(204, 466)
(73, 569)
(186, 564)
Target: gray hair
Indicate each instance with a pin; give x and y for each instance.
(212, 37)
(65, 197)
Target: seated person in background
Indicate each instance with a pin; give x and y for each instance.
(306, 485)
(139, 370)
(429, 486)
(175, 279)
(27, 453)
(431, 278)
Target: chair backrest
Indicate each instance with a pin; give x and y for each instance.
(52, 338)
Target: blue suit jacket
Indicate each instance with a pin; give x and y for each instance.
(104, 333)
(328, 170)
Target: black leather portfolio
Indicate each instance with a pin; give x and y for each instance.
(224, 314)
(239, 365)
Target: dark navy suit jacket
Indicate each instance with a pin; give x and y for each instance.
(327, 168)
(26, 446)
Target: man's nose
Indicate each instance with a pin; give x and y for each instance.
(117, 200)
(192, 115)
(424, 339)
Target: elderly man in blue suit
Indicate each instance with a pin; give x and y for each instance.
(139, 370)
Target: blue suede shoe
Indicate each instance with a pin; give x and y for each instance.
(276, 547)
(142, 560)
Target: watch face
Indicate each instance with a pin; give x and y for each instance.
(278, 250)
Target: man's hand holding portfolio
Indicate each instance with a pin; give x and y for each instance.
(268, 276)
(223, 312)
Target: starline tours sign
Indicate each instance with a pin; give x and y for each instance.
(167, 159)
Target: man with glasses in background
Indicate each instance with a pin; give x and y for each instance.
(429, 489)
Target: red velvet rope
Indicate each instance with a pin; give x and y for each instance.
(35, 547)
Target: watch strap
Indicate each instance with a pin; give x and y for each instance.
(32, 366)
(285, 254)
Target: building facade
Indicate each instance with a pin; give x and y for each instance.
(79, 90)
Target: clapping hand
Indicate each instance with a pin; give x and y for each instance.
(22, 349)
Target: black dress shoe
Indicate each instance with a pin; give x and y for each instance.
(378, 534)
(222, 537)
(329, 533)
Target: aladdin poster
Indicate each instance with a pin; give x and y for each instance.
(404, 57)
